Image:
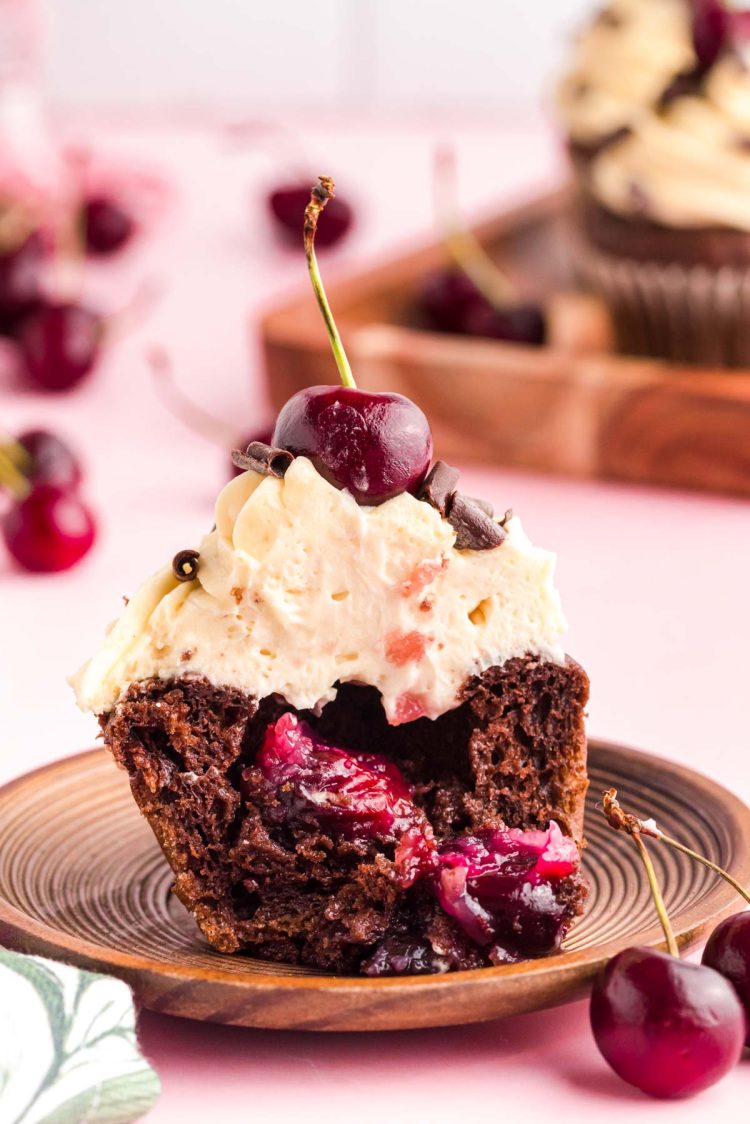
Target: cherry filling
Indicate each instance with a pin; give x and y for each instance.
(501, 887)
(360, 796)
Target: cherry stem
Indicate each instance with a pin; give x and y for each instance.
(621, 820)
(178, 403)
(11, 476)
(319, 196)
(462, 244)
(661, 909)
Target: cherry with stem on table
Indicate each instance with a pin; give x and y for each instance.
(667, 1026)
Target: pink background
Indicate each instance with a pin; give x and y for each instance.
(654, 584)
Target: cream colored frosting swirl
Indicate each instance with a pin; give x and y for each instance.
(299, 588)
(684, 165)
(690, 165)
(622, 63)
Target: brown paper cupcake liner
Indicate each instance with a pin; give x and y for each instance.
(689, 314)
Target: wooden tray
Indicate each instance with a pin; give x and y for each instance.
(82, 879)
(602, 415)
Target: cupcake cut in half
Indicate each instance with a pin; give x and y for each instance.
(348, 717)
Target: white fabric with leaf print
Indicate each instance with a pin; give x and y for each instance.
(68, 1050)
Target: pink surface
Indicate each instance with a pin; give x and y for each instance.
(654, 584)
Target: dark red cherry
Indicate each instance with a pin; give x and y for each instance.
(667, 1026)
(60, 344)
(503, 888)
(519, 323)
(107, 225)
(728, 952)
(49, 530)
(446, 298)
(52, 461)
(21, 270)
(710, 30)
(287, 206)
(374, 445)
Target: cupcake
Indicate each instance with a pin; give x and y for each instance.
(348, 716)
(657, 110)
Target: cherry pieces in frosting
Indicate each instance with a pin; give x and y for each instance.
(376, 445)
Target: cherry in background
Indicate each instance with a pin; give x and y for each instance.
(21, 270)
(376, 445)
(107, 225)
(287, 205)
(46, 526)
(49, 530)
(60, 344)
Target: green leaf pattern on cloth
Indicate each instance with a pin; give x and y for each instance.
(68, 1049)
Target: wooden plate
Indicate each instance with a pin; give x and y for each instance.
(564, 409)
(82, 879)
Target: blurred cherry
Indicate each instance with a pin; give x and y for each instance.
(21, 272)
(60, 344)
(51, 460)
(49, 530)
(287, 205)
(107, 225)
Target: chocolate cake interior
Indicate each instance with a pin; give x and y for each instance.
(286, 887)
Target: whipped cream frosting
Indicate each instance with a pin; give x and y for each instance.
(686, 164)
(622, 63)
(299, 588)
(690, 165)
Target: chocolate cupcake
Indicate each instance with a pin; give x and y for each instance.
(657, 107)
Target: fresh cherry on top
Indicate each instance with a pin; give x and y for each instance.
(376, 445)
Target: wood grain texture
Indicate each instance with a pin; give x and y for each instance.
(569, 408)
(82, 879)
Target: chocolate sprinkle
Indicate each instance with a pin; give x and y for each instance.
(439, 487)
(475, 529)
(483, 505)
(185, 565)
(262, 458)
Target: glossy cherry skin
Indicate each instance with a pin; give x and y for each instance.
(728, 952)
(107, 225)
(375, 445)
(52, 461)
(667, 1026)
(287, 206)
(48, 531)
(21, 281)
(60, 344)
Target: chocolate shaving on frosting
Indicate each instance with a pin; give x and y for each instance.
(185, 565)
(475, 529)
(471, 519)
(439, 487)
(262, 458)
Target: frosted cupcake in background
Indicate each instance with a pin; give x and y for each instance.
(656, 105)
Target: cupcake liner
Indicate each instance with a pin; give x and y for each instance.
(689, 314)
